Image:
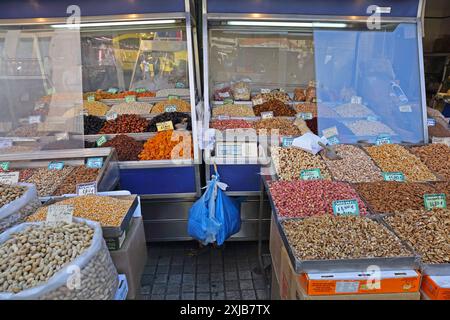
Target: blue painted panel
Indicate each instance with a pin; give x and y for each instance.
(400, 8)
(14, 9)
(158, 180)
(240, 177)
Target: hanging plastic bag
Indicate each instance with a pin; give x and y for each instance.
(215, 216)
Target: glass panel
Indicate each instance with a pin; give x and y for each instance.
(371, 80)
(139, 57)
(41, 90)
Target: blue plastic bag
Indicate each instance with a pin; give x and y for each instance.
(215, 216)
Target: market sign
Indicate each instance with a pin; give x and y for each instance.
(346, 207)
(257, 101)
(431, 122)
(113, 90)
(84, 189)
(164, 126)
(432, 201)
(60, 213)
(228, 101)
(173, 96)
(394, 176)
(9, 177)
(34, 119)
(94, 163)
(5, 143)
(287, 142)
(310, 174)
(223, 117)
(91, 98)
(179, 85)
(329, 132)
(111, 116)
(140, 90)
(383, 139)
(265, 90)
(333, 140)
(131, 98)
(56, 165)
(405, 108)
(171, 108)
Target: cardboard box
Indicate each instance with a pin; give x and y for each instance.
(436, 287)
(299, 294)
(286, 275)
(359, 283)
(275, 245)
(132, 257)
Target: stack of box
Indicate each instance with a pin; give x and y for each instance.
(435, 288)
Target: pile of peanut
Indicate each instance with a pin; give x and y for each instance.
(436, 157)
(344, 237)
(396, 158)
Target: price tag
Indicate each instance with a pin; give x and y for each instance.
(111, 116)
(129, 99)
(383, 139)
(257, 101)
(113, 90)
(59, 213)
(5, 143)
(405, 108)
(179, 85)
(431, 122)
(56, 165)
(310, 174)
(100, 141)
(84, 189)
(394, 176)
(140, 90)
(62, 136)
(265, 90)
(91, 98)
(164, 126)
(223, 117)
(333, 140)
(280, 89)
(9, 177)
(287, 142)
(372, 118)
(171, 108)
(4, 166)
(228, 101)
(173, 96)
(267, 115)
(346, 208)
(435, 201)
(329, 132)
(34, 119)
(94, 163)
(305, 115)
(39, 105)
(225, 94)
(356, 100)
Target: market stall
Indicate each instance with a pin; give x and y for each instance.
(123, 78)
(353, 75)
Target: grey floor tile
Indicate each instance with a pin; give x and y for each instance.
(159, 289)
(176, 269)
(188, 288)
(188, 268)
(177, 260)
(202, 287)
(245, 275)
(259, 284)
(173, 289)
(188, 278)
(202, 278)
(149, 269)
(164, 261)
(217, 286)
(203, 268)
(175, 278)
(218, 296)
(231, 275)
(161, 278)
(217, 276)
(248, 295)
(157, 297)
(187, 296)
(173, 297)
(203, 296)
(246, 284)
(146, 290)
(162, 269)
(146, 279)
(217, 268)
(233, 295)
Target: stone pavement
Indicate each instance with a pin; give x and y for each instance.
(181, 270)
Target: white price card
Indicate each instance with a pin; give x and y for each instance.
(34, 119)
(267, 115)
(94, 163)
(5, 143)
(60, 213)
(4, 165)
(84, 189)
(9, 177)
(329, 132)
(257, 101)
(111, 116)
(265, 90)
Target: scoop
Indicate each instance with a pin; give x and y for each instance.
(330, 153)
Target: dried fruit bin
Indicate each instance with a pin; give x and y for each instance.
(107, 178)
(430, 269)
(109, 231)
(347, 265)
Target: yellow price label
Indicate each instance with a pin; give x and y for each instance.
(164, 126)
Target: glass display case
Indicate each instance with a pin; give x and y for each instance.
(77, 75)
